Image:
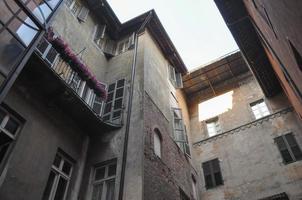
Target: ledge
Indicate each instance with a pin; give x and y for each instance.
(246, 126)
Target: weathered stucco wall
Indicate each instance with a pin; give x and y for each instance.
(251, 164)
(79, 35)
(46, 129)
(163, 177)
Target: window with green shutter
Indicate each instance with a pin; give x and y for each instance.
(289, 148)
(212, 173)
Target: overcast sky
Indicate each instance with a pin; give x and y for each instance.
(195, 26)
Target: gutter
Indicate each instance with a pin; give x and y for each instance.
(133, 70)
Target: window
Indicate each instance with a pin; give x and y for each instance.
(281, 196)
(125, 44)
(114, 104)
(212, 173)
(213, 127)
(104, 182)
(183, 195)
(259, 109)
(289, 148)
(59, 179)
(194, 187)
(9, 128)
(99, 35)
(73, 5)
(175, 78)
(157, 142)
(297, 55)
(179, 131)
(83, 14)
(74, 8)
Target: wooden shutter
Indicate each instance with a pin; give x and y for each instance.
(178, 80)
(83, 14)
(110, 47)
(131, 41)
(172, 74)
(286, 155)
(207, 175)
(294, 147)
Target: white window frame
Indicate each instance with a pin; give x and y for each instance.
(259, 109)
(184, 143)
(213, 127)
(124, 44)
(103, 180)
(12, 136)
(99, 42)
(113, 101)
(174, 77)
(60, 174)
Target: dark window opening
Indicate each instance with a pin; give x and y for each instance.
(212, 173)
(289, 148)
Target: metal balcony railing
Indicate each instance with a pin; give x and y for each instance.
(53, 59)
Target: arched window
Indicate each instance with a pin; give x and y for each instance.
(157, 142)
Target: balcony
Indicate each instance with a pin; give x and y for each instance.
(58, 82)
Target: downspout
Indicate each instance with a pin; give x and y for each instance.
(133, 69)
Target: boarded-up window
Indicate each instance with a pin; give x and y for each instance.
(289, 148)
(212, 173)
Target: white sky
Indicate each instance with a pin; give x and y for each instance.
(195, 27)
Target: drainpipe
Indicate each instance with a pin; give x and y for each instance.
(133, 69)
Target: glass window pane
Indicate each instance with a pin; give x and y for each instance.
(117, 114)
(51, 55)
(12, 126)
(111, 87)
(112, 170)
(7, 8)
(57, 161)
(5, 141)
(40, 9)
(118, 104)
(107, 107)
(10, 52)
(53, 3)
(49, 186)
(61, 189)
(25, 29)
(110, 189)
(120, 83)
(119, 92)
(97, 192)
(2, 115)
(100, 173)
(110, 97)
(66, 167)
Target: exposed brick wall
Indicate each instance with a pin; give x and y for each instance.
(163, 176)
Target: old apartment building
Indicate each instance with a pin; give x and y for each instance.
(95, 109)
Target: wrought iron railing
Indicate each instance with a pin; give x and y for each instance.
(62, 68)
